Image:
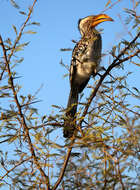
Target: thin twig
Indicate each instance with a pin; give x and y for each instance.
(120, 176)
(18, 164)
(2, 73)
(18, 37)
(127, 58)
(21, 30)
(112, 5)
(23, 122)
(125, 26)
(105, 170)
(55, 124)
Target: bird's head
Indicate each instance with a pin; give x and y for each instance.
(90, 22)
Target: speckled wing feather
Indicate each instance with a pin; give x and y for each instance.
(85, 57)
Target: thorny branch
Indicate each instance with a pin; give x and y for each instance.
(23, 121)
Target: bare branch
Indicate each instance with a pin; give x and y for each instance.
(64, 165)
(120, 177)
(127, 58)
(55, 124)
(2, 73)
(18, 164)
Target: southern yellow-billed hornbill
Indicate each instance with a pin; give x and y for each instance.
(85, 61)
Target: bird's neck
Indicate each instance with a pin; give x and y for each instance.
(91, 33)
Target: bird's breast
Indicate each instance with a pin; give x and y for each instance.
(84, 71)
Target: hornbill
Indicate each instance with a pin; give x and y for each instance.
(85, 62)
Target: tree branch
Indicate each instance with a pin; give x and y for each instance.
(116, 62)
(55, 124)
(120, 177)
(18, 37)
(18, 164)
(64, 165)
(23, 122)
(21, 30)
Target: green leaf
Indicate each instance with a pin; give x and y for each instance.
(14, 29)
(136, 90)
(23, 13)
(14, 4)
(36, 23)
(30, 32)
(8, 40)
(10, 140)
(19, 60)
(18, 49)
(65, 49)
(120, 87)
(23, 45)
(65, 75)
(2, 184)
(20, 46)
(130, 11)
(55, 106)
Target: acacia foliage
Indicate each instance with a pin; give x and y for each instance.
(105, 151)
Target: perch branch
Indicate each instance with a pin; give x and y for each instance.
(117, 61)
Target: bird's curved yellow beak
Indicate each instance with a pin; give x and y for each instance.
(101, 18)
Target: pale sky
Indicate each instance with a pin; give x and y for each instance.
(58, 27)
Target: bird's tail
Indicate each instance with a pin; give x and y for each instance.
(69, 125)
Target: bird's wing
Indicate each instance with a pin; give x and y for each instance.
(78, 57)
(88, 50)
